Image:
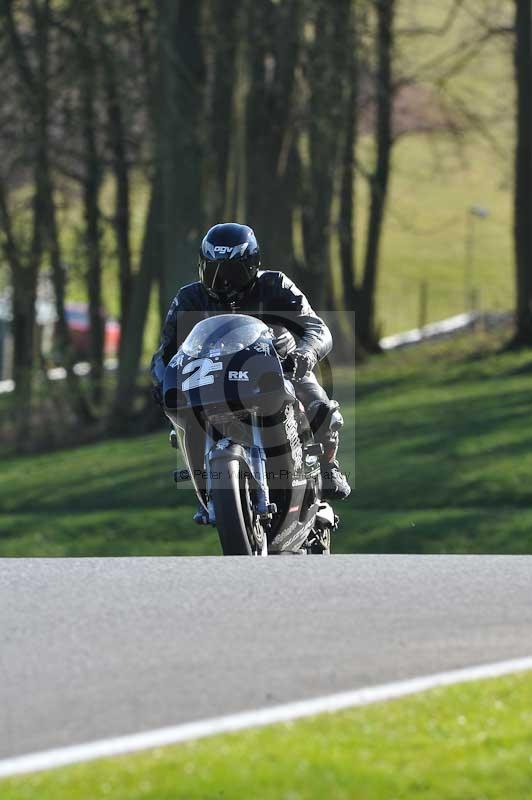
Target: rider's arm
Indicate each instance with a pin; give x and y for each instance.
(178, 323)
(311, 332)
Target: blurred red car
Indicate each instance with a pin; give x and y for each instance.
(77, 315)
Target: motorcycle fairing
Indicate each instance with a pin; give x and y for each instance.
(206, 395)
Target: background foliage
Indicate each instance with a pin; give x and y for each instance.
(355, 137)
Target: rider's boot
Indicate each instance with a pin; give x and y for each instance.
(326, 424)
(334, 483)
(200, 517)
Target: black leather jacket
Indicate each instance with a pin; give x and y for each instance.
(273, 298)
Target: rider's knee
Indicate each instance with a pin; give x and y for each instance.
(337, 421)
(325, 417)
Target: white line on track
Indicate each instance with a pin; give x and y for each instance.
(120, 745)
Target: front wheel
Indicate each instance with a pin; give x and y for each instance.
(240, 533)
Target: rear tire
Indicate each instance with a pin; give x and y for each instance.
(233, 511)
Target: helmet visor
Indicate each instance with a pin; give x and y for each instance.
(226, 278)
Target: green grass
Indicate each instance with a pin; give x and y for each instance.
(468, 742)
(437, 177)
(443, 452)
(110, 499)
(425, 236)
(443, 446)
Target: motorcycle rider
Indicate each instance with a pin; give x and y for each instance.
(231, 282)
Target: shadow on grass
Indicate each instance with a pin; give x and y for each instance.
(120, 474)
(455, 453)
(142, 532)
(435, 531)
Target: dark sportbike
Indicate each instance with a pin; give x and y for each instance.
(246, 440)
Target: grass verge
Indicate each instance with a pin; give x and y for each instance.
(467, 742)
(443, 449)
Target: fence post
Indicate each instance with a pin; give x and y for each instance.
(423, 303)
(475, 304)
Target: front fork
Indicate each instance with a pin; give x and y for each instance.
(253, 460)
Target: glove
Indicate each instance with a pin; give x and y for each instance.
(299, 363)
(157, 393)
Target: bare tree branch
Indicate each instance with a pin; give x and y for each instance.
(19, 52)
(438, 30)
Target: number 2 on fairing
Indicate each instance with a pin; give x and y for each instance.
(201, 375)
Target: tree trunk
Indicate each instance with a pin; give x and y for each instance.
(23, 327)
(131, 353)
(271, 164)
(121, 221)
(345, 342)
(347, 186)
(178, 146)
(224, 23)
(174, 220)
(365, 318)
(523, 174)
(76, 396)
(327, 66)
(25, 265)
(51, 234)
(91, 208)
(24, 280)
(24, 296)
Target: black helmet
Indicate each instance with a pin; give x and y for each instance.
(229, 260)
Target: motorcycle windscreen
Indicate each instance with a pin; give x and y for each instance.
(223, 335)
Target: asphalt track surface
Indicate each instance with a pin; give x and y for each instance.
(94, 648)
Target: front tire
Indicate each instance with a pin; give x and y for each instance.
(234, 513)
